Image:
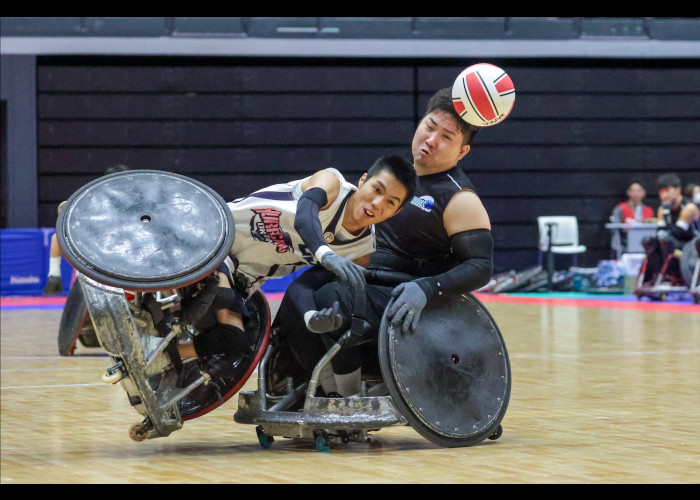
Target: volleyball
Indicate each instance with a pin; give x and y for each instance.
(483, 95)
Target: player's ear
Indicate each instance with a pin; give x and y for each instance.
(463, 151)
(362, 180)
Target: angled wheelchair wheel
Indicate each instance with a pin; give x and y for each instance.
(206, 398)
(145, 230)
(451, 378)
(73, 320)
(688, 260)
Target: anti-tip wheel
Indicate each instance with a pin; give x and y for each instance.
(323, 442)
(497, 433)
(138, 432)
(264, 439)
(112, 377)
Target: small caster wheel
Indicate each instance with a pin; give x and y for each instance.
(264, 439)
(139, 432)
(112, 377)
(497, 433)
(114, 373)
(344, 437)
(323, 442)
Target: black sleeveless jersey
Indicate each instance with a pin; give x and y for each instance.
(414, 240)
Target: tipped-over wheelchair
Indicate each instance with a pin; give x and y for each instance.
(140, 241)
(157, 234)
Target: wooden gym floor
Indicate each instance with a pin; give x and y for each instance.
(602, 393)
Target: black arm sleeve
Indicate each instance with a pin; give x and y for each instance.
(474, 250)
(679, 233)
(306, 221)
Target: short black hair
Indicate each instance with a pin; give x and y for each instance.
(442, 101)
(668, 180)
(401, 169)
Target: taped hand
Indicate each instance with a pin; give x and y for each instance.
(346, 269)
(325, 320)
(407, 306)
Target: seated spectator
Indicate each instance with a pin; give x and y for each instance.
(634, 208)
(692, 192)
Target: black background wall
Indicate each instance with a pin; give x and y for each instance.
(580, 131)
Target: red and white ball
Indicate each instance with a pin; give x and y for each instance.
(483, 95)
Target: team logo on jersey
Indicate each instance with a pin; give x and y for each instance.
(425, 203)
(329, 237)
(265, 226)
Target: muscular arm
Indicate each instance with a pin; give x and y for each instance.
(325, 180)
(467, 223)
(320, 191)
(464, 212)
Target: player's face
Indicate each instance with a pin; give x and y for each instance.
(670, 194)
(378, 198)
(437, 143)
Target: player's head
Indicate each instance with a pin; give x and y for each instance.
(400, 169)
(442, 138)
(442, 101)
(382, 191)
(669, 187)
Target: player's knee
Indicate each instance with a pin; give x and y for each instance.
(222, 339)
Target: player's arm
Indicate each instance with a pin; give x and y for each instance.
(467, 223)
(682, 229)
(362, 261)
(325, 180)
(319, 192)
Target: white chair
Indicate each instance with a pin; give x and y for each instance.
(558, 235)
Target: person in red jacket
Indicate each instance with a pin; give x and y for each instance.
(634, 208)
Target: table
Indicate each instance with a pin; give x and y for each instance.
(636, 232)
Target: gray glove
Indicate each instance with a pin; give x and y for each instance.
(325, 320)
(346, 269)
(408, 306)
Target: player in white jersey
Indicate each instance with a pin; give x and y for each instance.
(321, 219)
(267, 245)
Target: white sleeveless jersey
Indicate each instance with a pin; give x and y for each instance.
(266, 245)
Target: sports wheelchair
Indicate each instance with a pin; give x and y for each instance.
(666, 282)
(140, 239)
(450, 381)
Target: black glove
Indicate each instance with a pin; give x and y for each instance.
(325, 320)
(408, 306)
(346, 269)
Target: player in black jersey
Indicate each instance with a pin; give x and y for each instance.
(678, 217)
(442, 237)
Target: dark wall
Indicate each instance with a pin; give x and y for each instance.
(579, 132)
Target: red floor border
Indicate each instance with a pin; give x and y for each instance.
(642, 305)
